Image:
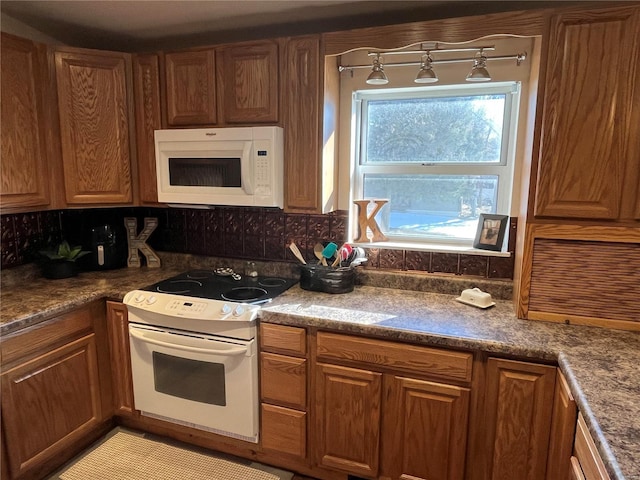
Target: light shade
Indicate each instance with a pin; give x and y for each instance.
(426, 73)
(479, 72)
(377, 75)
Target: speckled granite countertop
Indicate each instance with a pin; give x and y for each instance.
(39, 299)
(601, 365)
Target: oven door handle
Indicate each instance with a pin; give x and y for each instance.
(230, 352)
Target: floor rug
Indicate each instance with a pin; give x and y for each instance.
(126, 456)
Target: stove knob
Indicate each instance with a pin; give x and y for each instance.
(139, 298)
(238, 311)
(225, 309)
(151, 300)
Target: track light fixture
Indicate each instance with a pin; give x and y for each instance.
(479, 71)
(377, 75)
(426, 73)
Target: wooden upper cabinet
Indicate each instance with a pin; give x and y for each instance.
(191, 87)
(518, 400)
(25, 177)
(588, 148)
(301, 118)
(94, 108)
(146, 83)
(248, 78)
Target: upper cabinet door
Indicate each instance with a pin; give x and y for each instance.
(94, 125)
(301, 119)
(588, 146)
(249, 78)
(146, 82)
(25, 177)
(191, 88)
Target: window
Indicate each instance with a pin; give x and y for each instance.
(441, 156)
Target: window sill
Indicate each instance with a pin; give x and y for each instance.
(426, 247)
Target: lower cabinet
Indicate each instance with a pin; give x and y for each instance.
(586, 463)
(387, 410)
(563, 428)
(284, 430)
(515, 422)
(425, 432)
(53, 399)
(421, 435)
(121, 380)
(348, 406)
(283, 391)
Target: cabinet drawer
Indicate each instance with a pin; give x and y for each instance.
(409, 358)
(587, 454)
(284, 430)
(283, 380)
(48, 334)
(283, 339)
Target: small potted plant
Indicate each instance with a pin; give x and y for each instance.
(60, 261)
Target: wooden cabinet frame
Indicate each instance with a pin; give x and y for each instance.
(148, 115)
(120, 355)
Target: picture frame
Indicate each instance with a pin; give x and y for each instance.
(490, 233)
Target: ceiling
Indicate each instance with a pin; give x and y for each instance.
(151, 24)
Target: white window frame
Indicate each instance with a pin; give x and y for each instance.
(504, 169)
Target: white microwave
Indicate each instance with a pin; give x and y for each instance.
(220, 166)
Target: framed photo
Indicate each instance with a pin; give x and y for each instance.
(490, 234)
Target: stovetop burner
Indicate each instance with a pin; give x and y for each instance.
(223, 284)
(245, 294)
(272, 282)
(178, 287)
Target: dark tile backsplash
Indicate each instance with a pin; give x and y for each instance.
(238, 232)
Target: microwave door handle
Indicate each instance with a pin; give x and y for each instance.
(246, 168)
(209, 351)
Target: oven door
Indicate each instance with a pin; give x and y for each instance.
(202, 381)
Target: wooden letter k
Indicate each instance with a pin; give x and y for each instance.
(369, 221)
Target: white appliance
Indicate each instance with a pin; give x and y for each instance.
(194, 362)
(221, 166)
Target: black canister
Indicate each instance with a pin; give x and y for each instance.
(107, 247)
(319, 278)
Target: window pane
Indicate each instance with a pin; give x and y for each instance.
(435, 130)
(437, 206)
